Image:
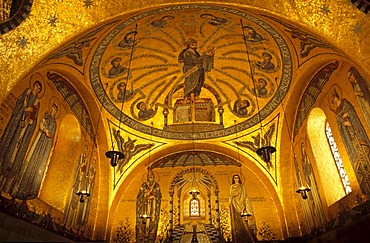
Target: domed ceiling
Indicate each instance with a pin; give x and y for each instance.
(189, 72)
(188, 69)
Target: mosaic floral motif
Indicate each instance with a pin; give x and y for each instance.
(224, 222)
(124, 233)
(265, 232)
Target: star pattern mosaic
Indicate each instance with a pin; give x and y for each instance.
(88, 3)
(53, 20)
(357, 29)
(325, 9)
(22, 41)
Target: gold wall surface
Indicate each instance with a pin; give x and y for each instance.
(71, 45)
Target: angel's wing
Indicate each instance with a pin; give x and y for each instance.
(247, 144)
(142, 147)
(268, 135)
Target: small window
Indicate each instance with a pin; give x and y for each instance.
(194, 207)
(338, 160)
(322, 149)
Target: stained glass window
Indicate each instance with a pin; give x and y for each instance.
(338, 160)
(194, 207)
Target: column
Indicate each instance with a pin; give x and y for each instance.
(170, 226)
(209, 208)
(178, 207)
(217, 212)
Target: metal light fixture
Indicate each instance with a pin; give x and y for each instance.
(113, 155)
(303, 188)
(245, 214)
(194, 193)
(303, 191)
(82, 191)
(264, 151)
(145, 216)
(194, 238)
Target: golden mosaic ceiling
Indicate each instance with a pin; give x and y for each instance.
(162, 33)
(161, 73)
(52, 23)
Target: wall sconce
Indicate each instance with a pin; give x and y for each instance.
(145, 216)
(245, 214)
(303, 188)
(82, 191)
(194, 193)
(303, 191)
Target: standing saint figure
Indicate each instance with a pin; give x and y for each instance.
(34, 166)
(314, 199)
(17, 136)
(148, 206)
(361, 87)
(90, 181)
(240, 205)
(307, 224)
(194, 67)
(72, 216)
(354, 137)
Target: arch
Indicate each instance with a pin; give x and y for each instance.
(325, 163)
(194, 209)
(55, 189)
(210, 180)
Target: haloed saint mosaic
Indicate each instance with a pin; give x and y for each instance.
(192, 70)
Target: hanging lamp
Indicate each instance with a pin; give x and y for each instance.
(266, 150)
(112, 154)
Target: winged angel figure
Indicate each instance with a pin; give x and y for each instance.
(259, 142)
(128, 148)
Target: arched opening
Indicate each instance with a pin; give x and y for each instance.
(57, 183)
(194, 208)
(326, 165)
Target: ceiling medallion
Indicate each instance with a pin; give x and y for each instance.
(190, 73)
